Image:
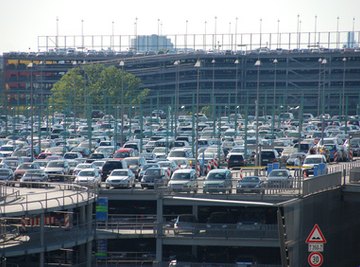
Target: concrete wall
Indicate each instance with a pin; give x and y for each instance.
(338, 217)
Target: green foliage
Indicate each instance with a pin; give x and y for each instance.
(97, 85)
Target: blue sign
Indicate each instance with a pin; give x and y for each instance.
(102, 204)
(101, 252)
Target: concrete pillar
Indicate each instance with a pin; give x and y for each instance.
(82, 218)
(42, 238)
(88, 254)
(89, 217)
(159, 227)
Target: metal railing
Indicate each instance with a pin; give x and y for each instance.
(53, 195)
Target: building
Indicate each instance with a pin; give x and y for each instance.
(151, 43)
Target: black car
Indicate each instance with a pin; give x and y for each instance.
(236, 161)
(250, 184)
(154, 177)
(111, 165)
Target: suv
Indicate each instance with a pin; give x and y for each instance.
(268, 156)
(236, 161)
(218, 180)
(183, 180)
(311, 161)
(111, 165)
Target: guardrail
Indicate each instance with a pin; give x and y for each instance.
(54, 195)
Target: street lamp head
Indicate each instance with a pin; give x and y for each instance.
(275, 61)
(324, 61)
(177, 62)
(30, 65)
(344, 59)
(197, 64)
(320, 60)
(237, 61)
(257, 63)
(213, 61)
(121, 63)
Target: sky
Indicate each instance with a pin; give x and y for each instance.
(22, 21)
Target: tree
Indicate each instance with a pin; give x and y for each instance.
(98, 87)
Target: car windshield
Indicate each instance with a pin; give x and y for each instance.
(26, 166)
(56, 164)
(164, 164)
(250, 179)
(177, 154)
(132, 161)
(278, 174)
(83, 166)
(87, 173)
(216, 176)
(180, 176)
(119, 173)
(313, 161)
(6, 148)
(148, 166)
(122, 155)
(4, 172)
(152, 172)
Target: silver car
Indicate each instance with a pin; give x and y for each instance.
(183, 180)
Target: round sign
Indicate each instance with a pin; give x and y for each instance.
(315, 259)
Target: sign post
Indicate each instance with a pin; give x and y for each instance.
(315, 241)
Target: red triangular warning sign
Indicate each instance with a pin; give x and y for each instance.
(315, 236)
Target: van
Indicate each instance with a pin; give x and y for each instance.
(111, 165)
(236, 161)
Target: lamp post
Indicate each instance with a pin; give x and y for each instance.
(197, 66)
(257, 64)
(343, 88)
(319, 86)
(213, 108)
(236, 92)
(186, 31)
(323, 62)
(122, 64)
(176, 63)
(30, 66)
(275, 62)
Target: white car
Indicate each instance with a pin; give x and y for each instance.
(89, 177)
(313, 160)
(121, 178)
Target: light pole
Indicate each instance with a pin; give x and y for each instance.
(213, 108)
(236, 91)
(257, 64)
(186, 31)
(176, 63)
(323, 62)
(197, 66)
(343, 88)
(275, 62)
(30, 66)
(319, 88)
(122, 64)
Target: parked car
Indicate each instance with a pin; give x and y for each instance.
(88, 177)
(311, 161)
(186, 223)
(22, 168)
(183, 180)
(135, 164)
(6, 175)
(34, 175)
(120, 178)
(154, 177)
(57, 167)
(250, 184)
(218, 181)
(236, 161)
(111, 165)
(280, 178)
